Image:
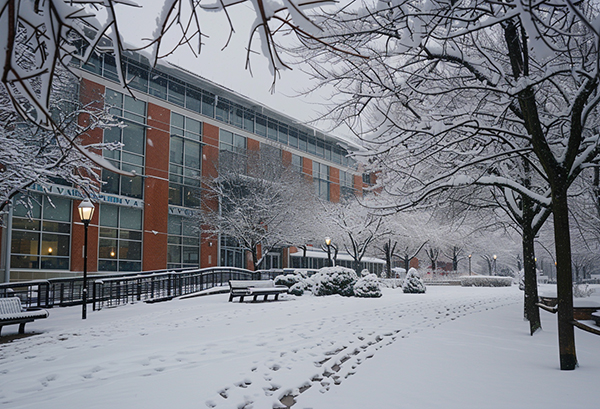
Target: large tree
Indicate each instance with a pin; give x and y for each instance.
(31, 154)
(459, 92)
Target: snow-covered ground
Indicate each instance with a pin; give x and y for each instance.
(452, 347)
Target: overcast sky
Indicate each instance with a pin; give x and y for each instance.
(227, 67)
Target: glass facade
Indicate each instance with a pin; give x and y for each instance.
(120, 238)
(232, 152)
(346, 184)
(232, 254)
(133, 137)
(185, 159)
(183, 249)
(41, 235)
(321, 180)
(174, 90)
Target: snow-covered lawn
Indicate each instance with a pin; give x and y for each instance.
(450, 348)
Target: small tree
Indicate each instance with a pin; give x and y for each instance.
(262, 205)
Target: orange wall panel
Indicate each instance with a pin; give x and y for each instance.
(286, 158)
(209, 256)
(252, 145)
(358, 185)
(156, 188)
(307, 166)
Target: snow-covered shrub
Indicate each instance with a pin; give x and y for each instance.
(288, 280)
(367, 287)
(364, 273)
(301, 272)
(297, 289)
(485, 281)
(333, 280)
(413, 284)
(582, 291)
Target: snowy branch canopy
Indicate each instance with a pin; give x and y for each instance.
(441, 99)
(60, 31)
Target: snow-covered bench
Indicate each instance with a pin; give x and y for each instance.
(596, 317)
(11, 312)
(255, 288)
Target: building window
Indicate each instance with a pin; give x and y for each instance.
(185, 161)
(321, 180)
(272, 260)
(41, 232)
(120, 239)
(167, 87)
(133, 137)
(366, 178)
(183, 249)
(346, 184)
(232, 152)
(232, 255)
(297, 163)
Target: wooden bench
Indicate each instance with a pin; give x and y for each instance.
(11, 312)
(596, 318)
(255, 288)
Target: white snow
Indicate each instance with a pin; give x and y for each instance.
(452, 347)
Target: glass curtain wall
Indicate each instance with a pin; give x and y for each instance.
(133, 137)
(41, 235)
(185, 161)
(120, 238)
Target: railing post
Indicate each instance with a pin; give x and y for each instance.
(139, 289)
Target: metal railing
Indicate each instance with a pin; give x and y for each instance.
(116, 289)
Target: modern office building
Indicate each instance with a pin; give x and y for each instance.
(178, 127)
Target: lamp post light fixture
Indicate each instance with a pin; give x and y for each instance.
(494, 264)
(328, 244)
(469, 264)
(86, 211)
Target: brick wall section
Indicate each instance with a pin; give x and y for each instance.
(210, 161)
(89, 93)
(307, 167)
(156, 188)
(286, 158)
(358, 185)
(252, 145)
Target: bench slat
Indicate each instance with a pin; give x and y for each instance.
(255, 288)
(12, 312)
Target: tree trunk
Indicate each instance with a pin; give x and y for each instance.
(531, 311)
(387, 248)
(564, 277)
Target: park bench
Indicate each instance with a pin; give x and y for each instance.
(255, 288)
(11, 312)
(596, 318)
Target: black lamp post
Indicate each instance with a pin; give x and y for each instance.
(494, 264)
(328, 243)
(469, 264)
(86, 211)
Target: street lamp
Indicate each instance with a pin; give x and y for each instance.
(494, 264)
(328, 244)
(86, 211)
(469, 264)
